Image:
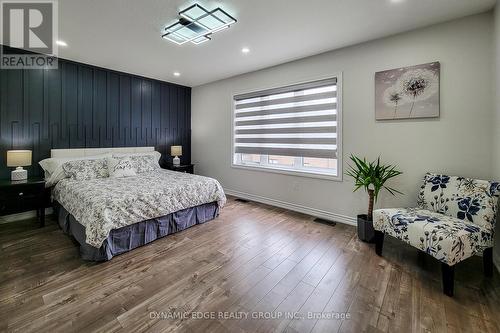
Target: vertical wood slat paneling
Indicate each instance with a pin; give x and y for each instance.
(82, 106)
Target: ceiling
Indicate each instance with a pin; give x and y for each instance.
(125, 34)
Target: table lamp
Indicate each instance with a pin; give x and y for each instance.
(176, 151)
(18, 159)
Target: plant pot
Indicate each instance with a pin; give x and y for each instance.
(366, 233)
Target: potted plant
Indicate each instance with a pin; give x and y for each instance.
(371, 176)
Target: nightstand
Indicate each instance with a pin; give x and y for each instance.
(186, 168)
(22, 196)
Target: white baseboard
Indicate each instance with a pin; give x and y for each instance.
(295, 207)
(22, 216)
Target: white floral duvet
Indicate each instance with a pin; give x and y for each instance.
(104, 204)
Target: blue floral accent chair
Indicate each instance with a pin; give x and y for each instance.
(454, 220)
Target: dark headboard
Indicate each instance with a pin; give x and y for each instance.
(83, 106)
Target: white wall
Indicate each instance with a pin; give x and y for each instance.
(459, 142)
(496, 122)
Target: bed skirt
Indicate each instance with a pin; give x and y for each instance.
(130, 237)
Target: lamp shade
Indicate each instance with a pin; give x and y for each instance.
(176, 151)
(18, 158)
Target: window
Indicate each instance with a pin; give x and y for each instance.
(293, 129)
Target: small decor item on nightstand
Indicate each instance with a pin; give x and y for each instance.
(18, 159)
(176, 151)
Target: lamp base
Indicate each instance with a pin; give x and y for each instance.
(19, 174)
(176, 161)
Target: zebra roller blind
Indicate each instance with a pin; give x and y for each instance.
(298, 120)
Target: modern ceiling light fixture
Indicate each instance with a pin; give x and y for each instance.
(196, 25)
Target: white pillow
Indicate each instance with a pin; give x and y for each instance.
(120, 167)
(53, 167)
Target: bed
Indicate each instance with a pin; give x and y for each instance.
(111, 215)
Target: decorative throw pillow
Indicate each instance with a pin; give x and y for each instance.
(155, 154)
(53, 167)
(86, 169)
(120, 167)
(142, 163)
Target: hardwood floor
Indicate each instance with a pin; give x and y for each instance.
(286, 272)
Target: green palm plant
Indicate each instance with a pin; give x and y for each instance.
(372, 177)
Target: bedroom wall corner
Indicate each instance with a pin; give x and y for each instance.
(496, 119)
(448, 144)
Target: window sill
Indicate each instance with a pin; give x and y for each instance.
(298, 173)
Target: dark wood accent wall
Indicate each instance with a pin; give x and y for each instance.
(82, 106)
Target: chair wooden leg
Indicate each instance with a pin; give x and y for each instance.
(448, 279)
(379, 242)
(488, 262)
(421, 257)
